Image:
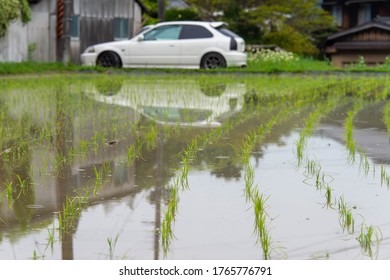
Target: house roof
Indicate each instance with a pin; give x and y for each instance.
(348, 2)
(379, 22)
(362, 45)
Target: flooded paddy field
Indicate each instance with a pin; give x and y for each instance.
(194, 167)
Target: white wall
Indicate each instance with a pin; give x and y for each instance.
(13, 47)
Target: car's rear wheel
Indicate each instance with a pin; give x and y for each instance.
(212, 60)
(109, 59)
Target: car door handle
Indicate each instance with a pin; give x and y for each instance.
(172, 46)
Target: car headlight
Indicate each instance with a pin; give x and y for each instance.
(90, 50)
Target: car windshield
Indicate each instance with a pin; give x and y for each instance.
(144, 29)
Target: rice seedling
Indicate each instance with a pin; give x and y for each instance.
(350, 142)
(170, 216)
(24, 185)
(134, 152)
(346, 218)
(369, 240)
(9, 193)
(249, 181)
(385, 177)
(111, 246)
(364, 163)
(328, 196)
(312, 167)
(35, 255)
(70, 213)
(261, 228)
(98, 175)
(386, 116)
(51, 239)
(151, 137)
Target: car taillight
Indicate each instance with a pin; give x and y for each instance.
(233, 44)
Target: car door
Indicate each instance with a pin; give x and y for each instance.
(158, 47)
(194, 40)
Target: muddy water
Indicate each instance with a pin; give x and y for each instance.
(123, 219)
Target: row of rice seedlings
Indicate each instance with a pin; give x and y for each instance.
(251, 191)
(346, 216)
(314, 171)
(314, 118)
(180, 182)
(353, 148)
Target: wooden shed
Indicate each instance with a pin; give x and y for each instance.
(64, 28)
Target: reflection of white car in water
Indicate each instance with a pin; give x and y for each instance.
(187, 103)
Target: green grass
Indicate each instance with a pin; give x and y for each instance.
(300, 65)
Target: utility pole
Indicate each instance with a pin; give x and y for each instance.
(64, 18)
(68, 11)
(161, 10)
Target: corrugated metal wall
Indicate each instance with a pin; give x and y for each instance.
(104, 8)
(97, 22)
(95, 30)
(96, 26)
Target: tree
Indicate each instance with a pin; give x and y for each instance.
(296, 25)
(11, 10)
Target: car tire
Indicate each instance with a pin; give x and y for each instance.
(109, 59)
(213, 60)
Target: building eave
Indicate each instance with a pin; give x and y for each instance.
(367, 46)
(356, 29)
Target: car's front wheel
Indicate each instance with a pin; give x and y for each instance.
(212, 60)
(109, 59)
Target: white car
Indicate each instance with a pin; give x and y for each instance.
(180, 44)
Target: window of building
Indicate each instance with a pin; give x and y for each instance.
(337, 13)
(75, 27)
(364, 13)
(121, 28)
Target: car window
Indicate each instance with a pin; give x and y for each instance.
(195, 32)
(170, 32)
(228, 33)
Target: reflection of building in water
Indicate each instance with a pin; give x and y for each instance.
(49, 181)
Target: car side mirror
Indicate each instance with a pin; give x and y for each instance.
(140, 38)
